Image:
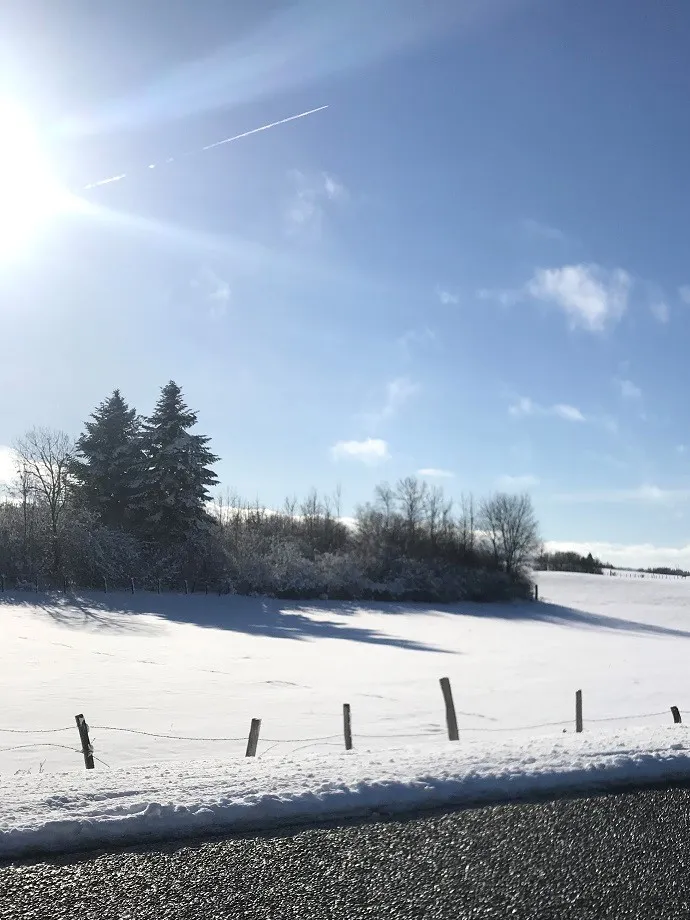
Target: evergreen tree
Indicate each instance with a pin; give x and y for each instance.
(107, 461)
(172, 488)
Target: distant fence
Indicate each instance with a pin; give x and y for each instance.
(344, 739)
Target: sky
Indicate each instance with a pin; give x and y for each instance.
(471, 265)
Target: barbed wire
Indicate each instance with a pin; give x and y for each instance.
(19, 747)
(314, 739)
(138, 731)
(36, 731)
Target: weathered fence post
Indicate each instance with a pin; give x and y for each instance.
(451, 720)
(578, 710)
(86, 746)
(105, 585)
(676, 715)
(186, 587)
(536, 592)
(132, 584)
(253, 741)
(347, 726)
(159, 586)
(206, 589)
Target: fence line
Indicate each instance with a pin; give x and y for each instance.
(454, 732)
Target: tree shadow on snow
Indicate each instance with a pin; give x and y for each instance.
(150, 614)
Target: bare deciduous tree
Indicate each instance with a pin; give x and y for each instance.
(44, 458)
(510, 526)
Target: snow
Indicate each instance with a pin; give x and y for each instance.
(195, 668)
(48, 813)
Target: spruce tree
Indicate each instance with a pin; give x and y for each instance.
(107, 461)
(175, 474)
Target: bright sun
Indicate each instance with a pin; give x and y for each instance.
(29, 193)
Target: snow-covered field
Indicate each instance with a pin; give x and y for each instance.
(201, 667)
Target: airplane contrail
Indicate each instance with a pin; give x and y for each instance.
(226, 140)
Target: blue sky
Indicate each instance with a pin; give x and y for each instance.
(473, 263)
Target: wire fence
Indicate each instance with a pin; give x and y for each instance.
(346, 739)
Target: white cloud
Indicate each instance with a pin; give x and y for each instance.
(398, 392)
(628, 389)
(569, 413)
(506, 297)
(446, 297)
(660, 311)
(333, 189)
(312, 197)
(642, 555)
(681, 448)
(416, 337)
(524, 406)
(645, 494)
(8, 465)
(684, 293)
(370, 451)
(214, 290)
(591, 297)
(536, 228)
(517, 482)
(432, 472)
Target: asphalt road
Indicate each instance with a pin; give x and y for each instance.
(624, 855)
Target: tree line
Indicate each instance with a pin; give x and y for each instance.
(132, 498)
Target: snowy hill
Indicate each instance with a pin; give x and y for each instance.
(195, 668)
(202, 667)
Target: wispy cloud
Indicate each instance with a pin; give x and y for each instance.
(524, 406)
(398, 392)
(539, 230)
(517, 482)
(681, 449)
(370, 451)
(590, 296)
(431, 472)
(569, 413)
(644, 494)
(214, 290)
(628, 389)
(416, 338)
(660, 311)
(684, 294)
(446, 296)
(312, 197)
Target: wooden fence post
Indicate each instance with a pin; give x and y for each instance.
(253, 741)
(206, 589)
(105, 585)
(159, 586)
(86, 746)
(132, 583)
(536, 592)
(578, 710)
(347, 726)
(451, 720)
(186, 586)
(676, 715)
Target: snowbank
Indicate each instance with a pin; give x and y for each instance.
(61, 812)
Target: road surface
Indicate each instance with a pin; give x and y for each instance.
(624, 855)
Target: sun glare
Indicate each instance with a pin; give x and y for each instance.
(29, 193)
